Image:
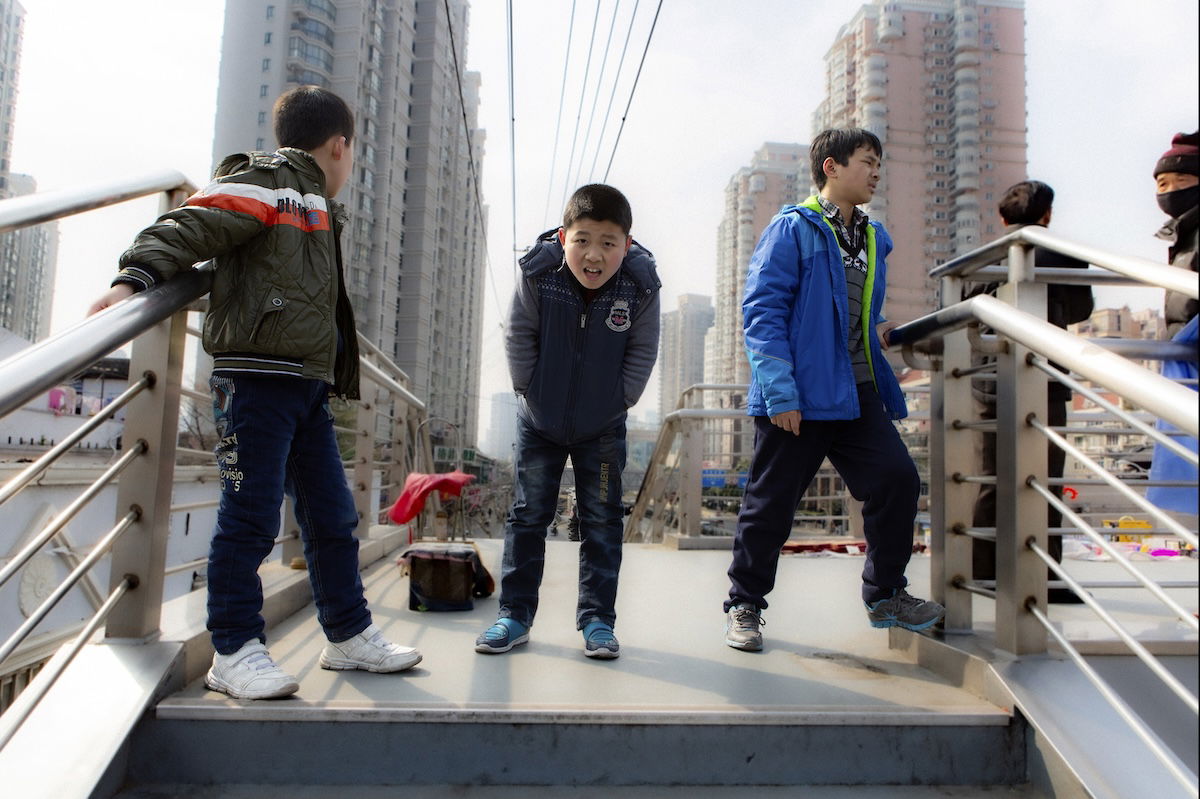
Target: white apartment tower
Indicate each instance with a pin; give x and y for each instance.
(942, 83)
(777, 176)
(681, 349)
(28, 256)
(414, 249)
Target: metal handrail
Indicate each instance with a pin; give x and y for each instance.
(1095, 468)
(1144, 271)
(98, 551)
(1134, 645)
(1114, 700)
(44, 365)
(35, 469)
(1115, 554)
(1143, 428)
(15, 716)
(34, 209)
(68, 513)
(1155, 393)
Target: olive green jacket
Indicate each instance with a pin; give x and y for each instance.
(278, 303)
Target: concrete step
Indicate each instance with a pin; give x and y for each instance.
(826, 703)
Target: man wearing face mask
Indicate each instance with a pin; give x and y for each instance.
(1176, 176)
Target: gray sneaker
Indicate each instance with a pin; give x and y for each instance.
(905, 610)
(741, 627)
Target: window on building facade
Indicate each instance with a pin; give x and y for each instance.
(266, 65)
(262, 90)
(267, 37)
(270, 12)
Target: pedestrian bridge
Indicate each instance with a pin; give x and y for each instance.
(1011, 695)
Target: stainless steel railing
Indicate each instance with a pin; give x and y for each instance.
(387, 430)
(1023, 345)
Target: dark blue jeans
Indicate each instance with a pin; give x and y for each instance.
(276, 435)
(873, 461)
(598, 464)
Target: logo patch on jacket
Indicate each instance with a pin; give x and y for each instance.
(618, 319)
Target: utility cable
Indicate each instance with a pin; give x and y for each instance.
(562, 93)
(613, 93)
(587, 137)
(587, 68)
(462, 104)
(637, 77)
(512, 132)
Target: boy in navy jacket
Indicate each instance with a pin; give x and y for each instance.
(582, 339)
(820, 387)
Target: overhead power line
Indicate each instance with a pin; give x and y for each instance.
(637, 77)
(587, 68)
(512, 131)
(462, 104)
(562, 93)
(580, 176)
(613, 93)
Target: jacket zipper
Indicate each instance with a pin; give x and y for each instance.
(576, 361)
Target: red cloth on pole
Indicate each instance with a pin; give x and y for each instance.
(417, 487)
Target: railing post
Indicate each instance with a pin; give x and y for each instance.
(153, 417)
(364, 463)
(951, 452)
(393, 476)
(1020, 453)
(691, 463)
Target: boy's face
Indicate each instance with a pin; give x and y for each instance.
(594, 250)
(854, 182)
(1173, 181)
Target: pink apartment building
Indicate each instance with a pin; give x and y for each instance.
(942, 83)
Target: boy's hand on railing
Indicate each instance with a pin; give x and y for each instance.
(111, 297)
(883, 330)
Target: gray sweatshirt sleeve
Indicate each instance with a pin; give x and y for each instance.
(521, 338)
(641, 351)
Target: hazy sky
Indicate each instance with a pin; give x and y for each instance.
(109, 89)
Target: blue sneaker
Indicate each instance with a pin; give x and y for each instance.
(904, 610)
(599, 641)
(502, 636)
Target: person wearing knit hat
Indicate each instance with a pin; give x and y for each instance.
(1177, 181)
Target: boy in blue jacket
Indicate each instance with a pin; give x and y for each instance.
(582, 339)
(820, 388)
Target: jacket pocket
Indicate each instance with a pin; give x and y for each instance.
(269, 314)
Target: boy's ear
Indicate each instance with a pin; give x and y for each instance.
(338, 150)
(829, 167)
(628, 243)
(562, 236)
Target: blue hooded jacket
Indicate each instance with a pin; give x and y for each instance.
(796, 318)
(578, 366)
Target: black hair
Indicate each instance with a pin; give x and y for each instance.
(307, 116)
(599, 203)
(1026, 203)
(839, 144)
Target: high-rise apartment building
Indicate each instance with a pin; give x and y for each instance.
(777, 176)
(942, 83)
(681, 349)
(28, 256)
(414, 246)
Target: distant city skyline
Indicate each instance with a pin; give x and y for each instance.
(719, 79)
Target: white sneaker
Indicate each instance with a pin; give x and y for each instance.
(368, 651)
(250, 673)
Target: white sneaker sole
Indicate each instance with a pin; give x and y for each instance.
(603, 653)
(745, 646)
(214, 683)
(345, 664)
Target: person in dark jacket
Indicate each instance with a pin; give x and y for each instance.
(1176, 175)
(1029, 202)
(282, 336)
(820, 387)
(582, 339)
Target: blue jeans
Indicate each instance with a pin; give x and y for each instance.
(276, 435)
(539, 466)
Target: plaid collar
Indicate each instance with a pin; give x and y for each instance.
(854, 236)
